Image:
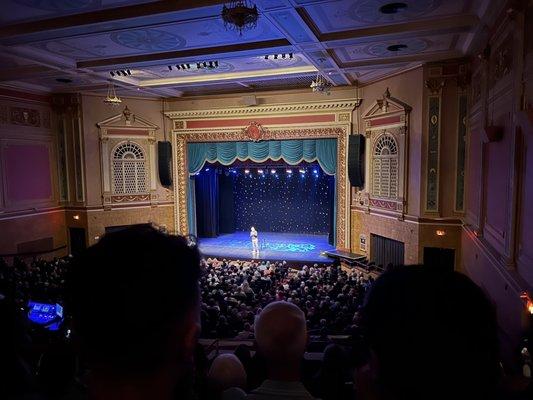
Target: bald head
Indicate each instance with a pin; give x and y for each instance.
(226, 372)
(281, 332)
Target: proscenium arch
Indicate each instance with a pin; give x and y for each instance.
(181, 172)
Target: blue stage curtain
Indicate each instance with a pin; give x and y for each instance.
(291, 151)
(207, 200)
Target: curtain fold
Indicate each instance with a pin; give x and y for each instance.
(291, 151)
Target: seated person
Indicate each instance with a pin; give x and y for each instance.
(134, 298)
(432, 335)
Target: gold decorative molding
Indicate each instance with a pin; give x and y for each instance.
(181, 166)
(330, 106)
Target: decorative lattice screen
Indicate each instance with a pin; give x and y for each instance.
(129, 169)
(385, 168)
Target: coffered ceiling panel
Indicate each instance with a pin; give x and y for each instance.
(330, 16)
(394, 48)
(28, 10)
(69, 45)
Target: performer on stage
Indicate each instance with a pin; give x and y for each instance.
(255, 240)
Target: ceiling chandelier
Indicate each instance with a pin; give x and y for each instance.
(240, 15)
(321, 85)
(112, 99)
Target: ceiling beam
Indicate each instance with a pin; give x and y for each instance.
(105, 15)
(456, 23)
(170, 55)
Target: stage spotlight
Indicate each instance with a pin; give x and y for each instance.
(246, 171)
(272, 171)
(260, 171)
(289, 171)
(302, 171)
(207, 169)
(315, 171)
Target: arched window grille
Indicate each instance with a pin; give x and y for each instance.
(385, 167)
(129, 169)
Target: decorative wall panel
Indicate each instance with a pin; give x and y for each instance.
(461, 153)
(433, 144)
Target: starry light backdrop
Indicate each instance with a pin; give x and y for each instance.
(297, 199)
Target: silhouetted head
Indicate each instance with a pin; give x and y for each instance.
(433, 335)
(134, 298)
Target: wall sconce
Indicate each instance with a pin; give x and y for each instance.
(76, 217)
(528, 302)
(440, 232)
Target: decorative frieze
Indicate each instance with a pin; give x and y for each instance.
(25, 116)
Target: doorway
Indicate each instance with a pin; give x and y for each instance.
(77, 240)
(436, 257)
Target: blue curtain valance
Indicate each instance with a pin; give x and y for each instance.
(291, 151)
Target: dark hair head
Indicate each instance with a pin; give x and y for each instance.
(131, 295)
(434, 334)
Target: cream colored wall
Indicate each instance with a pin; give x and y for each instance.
(407, 87)
(94, 111)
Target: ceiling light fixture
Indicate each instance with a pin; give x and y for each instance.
(207, 65)
(123, 72)
(321, 85)
(112, 99)
(240, 15)
(278, 56)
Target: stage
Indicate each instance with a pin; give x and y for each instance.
(273, 246)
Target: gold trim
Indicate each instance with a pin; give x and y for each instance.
(181, 166)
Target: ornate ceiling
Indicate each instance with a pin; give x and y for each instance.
(73, 45)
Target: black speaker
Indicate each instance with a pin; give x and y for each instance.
(356, 160)
(164, 156)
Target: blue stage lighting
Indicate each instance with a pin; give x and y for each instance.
(272, 171)
(246, 171)
(289, 171)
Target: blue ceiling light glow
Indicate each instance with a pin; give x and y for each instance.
(289, 171)
(272, 171)
(246, 171)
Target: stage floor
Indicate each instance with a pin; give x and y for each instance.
(273, 246)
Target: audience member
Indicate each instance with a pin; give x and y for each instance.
(281, 336)
(332, 382)
(432, 335)
(226, 377)
(134, 298)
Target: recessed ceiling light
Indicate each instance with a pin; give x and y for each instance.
(396, 47)
(392, 8)
(64, 80)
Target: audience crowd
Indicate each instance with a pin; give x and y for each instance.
(137, 302)
(233, 292)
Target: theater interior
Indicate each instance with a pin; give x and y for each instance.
(397, 133)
